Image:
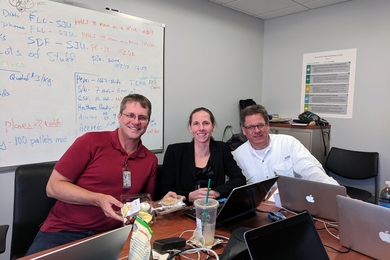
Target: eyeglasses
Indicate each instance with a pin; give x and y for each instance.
(253, 127)
(143, 119)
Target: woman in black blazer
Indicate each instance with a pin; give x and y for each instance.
(187, 167)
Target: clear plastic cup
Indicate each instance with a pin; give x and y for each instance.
(206, 214)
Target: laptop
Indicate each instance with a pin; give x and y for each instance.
(292, 238)
(104, 246)
(316, 197)
(364, 227)
(241, 203)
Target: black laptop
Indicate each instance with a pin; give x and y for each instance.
(292, 238)
(241, 203)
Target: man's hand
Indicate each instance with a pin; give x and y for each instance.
(106, 203)
(61, 188)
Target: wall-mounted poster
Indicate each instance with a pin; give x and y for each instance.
(328, 81)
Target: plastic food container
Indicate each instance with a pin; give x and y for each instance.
(146, 206)
(163, 207)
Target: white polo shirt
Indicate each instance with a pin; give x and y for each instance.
(285, 155)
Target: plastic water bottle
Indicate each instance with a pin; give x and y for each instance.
(384, 195)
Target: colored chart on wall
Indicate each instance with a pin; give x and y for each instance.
(328, 83)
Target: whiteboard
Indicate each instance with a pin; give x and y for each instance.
(64, 68)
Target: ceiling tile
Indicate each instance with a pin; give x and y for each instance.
(267, 9)
(282, 12)
(305, 1)
(322, 3)
(258, 7)
(224, 1)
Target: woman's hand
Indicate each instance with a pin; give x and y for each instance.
(174, 195)
(201, 193)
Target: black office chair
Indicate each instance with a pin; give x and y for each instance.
(3, 237)
(31, 205)
(353, 167)
(157, 192)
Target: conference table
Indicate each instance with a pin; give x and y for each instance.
(175, 223)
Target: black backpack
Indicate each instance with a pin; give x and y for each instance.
(237, 139)
(245, 103)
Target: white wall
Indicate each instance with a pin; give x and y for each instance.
(213, 58)
(355, 24)
(210, 52)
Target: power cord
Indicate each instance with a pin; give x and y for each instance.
(335, 226)
(326, 224)
(197, 248)
(262, 211)
(323, 138)
(327, 229)
(338, 251)
(192, 251)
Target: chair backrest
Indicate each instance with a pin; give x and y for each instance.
(157, 193)
(31, 205)
(3, 237)
(354, 165)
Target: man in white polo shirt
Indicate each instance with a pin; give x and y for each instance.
(266, 155)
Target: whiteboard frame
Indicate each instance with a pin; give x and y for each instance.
(162, 107)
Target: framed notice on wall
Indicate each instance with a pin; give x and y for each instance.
(328, 80)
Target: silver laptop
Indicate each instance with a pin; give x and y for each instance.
(364, 227)
(105, 246)
(316, 197)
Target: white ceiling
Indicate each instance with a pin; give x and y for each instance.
(267, 9)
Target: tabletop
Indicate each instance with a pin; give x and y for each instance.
(176, 224)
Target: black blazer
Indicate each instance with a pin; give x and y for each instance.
(179, 171)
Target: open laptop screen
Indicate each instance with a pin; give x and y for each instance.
(316, 197)
(292, 238)
(104, 246)
(245, 199)
(364, 227)
(241, 203)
